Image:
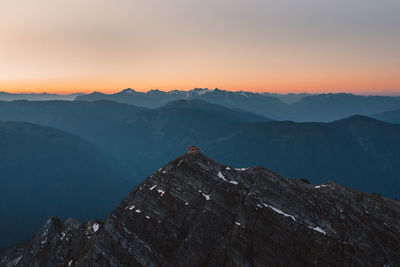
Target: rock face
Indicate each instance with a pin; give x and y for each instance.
(196, 212)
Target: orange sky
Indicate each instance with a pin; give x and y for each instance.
(259, 45)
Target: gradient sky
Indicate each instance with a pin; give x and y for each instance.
(255, 45)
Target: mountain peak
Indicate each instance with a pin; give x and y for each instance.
(127, 91)
(195, 211)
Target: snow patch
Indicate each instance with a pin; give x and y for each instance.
(237, 223)
(240, 169)
(147, 217)
(207, 197)
(280, 212)
(138, 211)
(318, 229)
(95, 227)
(161, 192)
(220, 175)
(154, 186)
(227, 168)
(187, 203)
(164, 171)
(233, 182)
(320, 186)
(62, 235)
(70, 263)
(132, 207)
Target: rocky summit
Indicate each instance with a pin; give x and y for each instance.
(196, 212)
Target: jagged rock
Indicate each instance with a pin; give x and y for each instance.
(196, 212)
(55, 244)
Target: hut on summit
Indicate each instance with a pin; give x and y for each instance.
(193, 149)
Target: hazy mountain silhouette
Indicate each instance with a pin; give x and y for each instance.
(392, 116)
(359, 151)
(45, 171)
(127, 132)
(322, 107)
(289, 98)
(37, 96)
(151, 99)
(329, 107)
(253, 102)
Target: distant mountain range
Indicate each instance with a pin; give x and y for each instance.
(256, 103)
(392, 116)
(37, 97)
(289, 98)
(301, 107)
(297, 107)
(359, 151)
(196, 212)
(329, 107)
(45, 171)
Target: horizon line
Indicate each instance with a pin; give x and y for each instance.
(285, 92)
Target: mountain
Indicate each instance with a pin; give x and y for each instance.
(151, 99)
(96, 121)
(37, 97)
(289, 98)
(222, 113)
(330, 107)
(45, 172)
(359, 152)
(295, 107)
(267, 106)
(138, 138)
(392, 116)
(196, 212)
(270, 107)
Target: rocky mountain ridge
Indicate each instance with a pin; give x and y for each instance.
(194, 211)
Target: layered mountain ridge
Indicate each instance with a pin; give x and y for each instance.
(194, 211)
(296, 107)
(359, 152)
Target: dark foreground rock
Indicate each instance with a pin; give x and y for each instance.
(196, 212)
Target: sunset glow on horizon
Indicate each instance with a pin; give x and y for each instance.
(284, 46)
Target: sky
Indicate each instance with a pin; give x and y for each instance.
(254, 45)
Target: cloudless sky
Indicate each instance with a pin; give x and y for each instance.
(256, 45)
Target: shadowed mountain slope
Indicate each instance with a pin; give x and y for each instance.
(131, 135)
(392, 116)
(359, 151)
(196, 212)
(44, 172)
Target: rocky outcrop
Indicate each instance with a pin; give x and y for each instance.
(196, 212)
(54, 245)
